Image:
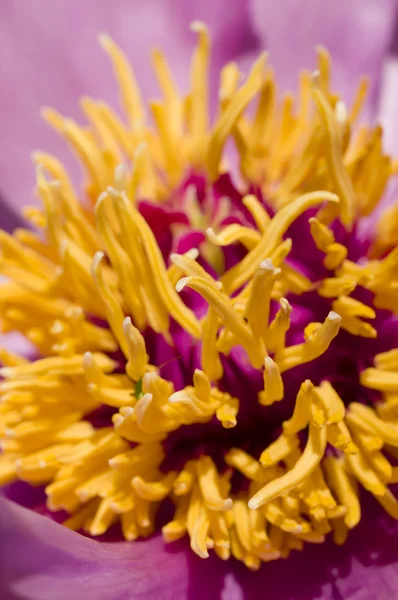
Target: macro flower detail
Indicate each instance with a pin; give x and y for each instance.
(215, 343)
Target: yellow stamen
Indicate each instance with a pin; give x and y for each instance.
(309, 460)
(312, 348)
(209, 485)
(234, 278)
(227, 120)
(302, 409)
(273, 384)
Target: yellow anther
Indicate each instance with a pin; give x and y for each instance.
(314, 347)
(273, 384)
(175, 306)
(136, 352)
(364, 473)
(234, 233)
(302, 409)
(241, 272)
(199, 90)
(130, 94)
(306, 464)
(227, 412)
(387, 361)
(202, 385)
(382, 380)
(338, 435)
(223, 305)
(359, 99)
(336, 168)
(229, 80)
(101, 128)
(186, 478)
(324, 68)
(337, 286)
(278, 450)
(257, 211)
(210, 485)
(220, 534)
(189, 266)
(210, 358)
(258, 304)
(389, 503)
(246, 464)
(278, 327)
(124, 267)
(376, 459)
(153, 491)
(114, 311)
(262, 126)
(242, 523)
(345, 489)
(228, 118)
(331, 401)
(177, 528)
(322, 235)
(198, 523)
(169, 89)
(387, 431)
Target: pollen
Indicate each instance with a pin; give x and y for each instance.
(203, 335)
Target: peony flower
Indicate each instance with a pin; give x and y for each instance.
(195, 313)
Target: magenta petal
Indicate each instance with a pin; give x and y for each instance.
(41, 560)
(357, 33)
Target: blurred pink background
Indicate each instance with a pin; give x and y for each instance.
(50, 57)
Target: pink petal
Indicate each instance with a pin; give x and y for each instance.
(388, 105)
(50, 57)
(8, 219)
(41, 560)
(17, 343)
(356, 32)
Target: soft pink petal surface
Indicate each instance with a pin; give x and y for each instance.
(50, 57)
(357, 33)
(41, 560)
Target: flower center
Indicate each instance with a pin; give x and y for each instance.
(225, 346)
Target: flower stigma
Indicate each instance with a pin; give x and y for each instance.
(214, 346)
